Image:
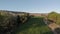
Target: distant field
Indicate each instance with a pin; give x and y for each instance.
(35, 25)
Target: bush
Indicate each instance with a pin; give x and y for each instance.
(58, 19)
(52, 16)
(25, 17)
(7, 24)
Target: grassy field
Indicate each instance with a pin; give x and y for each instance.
(35, 25)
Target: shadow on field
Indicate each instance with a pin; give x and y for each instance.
(32, 23)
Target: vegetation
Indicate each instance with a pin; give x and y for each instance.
(26, 24)
(54, 17)
(57, 30)
(58, 19)
(35, 25)
(8, 22)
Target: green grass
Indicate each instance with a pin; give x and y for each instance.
(35, 25)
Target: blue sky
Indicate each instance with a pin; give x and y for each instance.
(32, 6)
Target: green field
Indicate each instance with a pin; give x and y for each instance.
(35, 25)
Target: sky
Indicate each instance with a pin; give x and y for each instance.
(32, 6)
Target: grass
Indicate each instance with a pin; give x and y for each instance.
(35, 25)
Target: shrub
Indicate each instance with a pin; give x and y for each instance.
(52, 16)
(7, 23)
